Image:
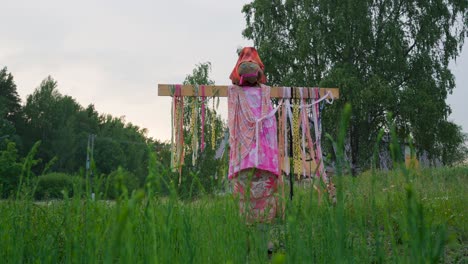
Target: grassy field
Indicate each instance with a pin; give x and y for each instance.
(400, 217)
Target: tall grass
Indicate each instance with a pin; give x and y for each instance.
(380, 218)
(401, 216)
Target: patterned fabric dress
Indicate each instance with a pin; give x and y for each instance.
(253, 156)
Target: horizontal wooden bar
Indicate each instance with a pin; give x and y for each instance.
(221, 91)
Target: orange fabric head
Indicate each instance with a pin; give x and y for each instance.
(247, 54)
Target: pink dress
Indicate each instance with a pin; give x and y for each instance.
(253, 153)
(266, 158)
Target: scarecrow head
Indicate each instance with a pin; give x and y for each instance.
(249, 69)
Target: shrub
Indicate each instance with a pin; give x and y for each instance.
(118, 182)
(53, 185)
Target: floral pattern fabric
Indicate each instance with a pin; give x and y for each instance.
(246, 105)
(257, 200)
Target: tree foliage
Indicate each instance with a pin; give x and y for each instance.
(10, 169)
(50, 117)
(200, 175)
(384, 55)
(9, 99)
(9, 106)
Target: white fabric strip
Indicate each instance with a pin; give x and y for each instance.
(328, 94)
(286, 96)
(303, 131)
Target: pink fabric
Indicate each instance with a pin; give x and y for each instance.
(260, 204)
(246, 105)
(202, 147)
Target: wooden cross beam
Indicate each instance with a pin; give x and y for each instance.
(221, 91)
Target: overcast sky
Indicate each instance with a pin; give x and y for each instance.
(114, 53)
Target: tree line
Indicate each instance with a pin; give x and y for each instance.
(62, 127)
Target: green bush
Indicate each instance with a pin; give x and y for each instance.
(54, 185)
(119, 182)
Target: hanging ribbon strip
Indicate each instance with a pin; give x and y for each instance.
(213, 126)
(318, 135)
(202, 144)
(310, 142)
(194, 126)
(287, 115)
(302, 122)
(296, 142)
(283, 158)
(177, 137)
(283, 131)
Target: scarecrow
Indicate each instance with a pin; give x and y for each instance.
(253, 157)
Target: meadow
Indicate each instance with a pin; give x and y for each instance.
(401, 216)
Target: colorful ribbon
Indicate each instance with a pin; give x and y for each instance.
(202, 144)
